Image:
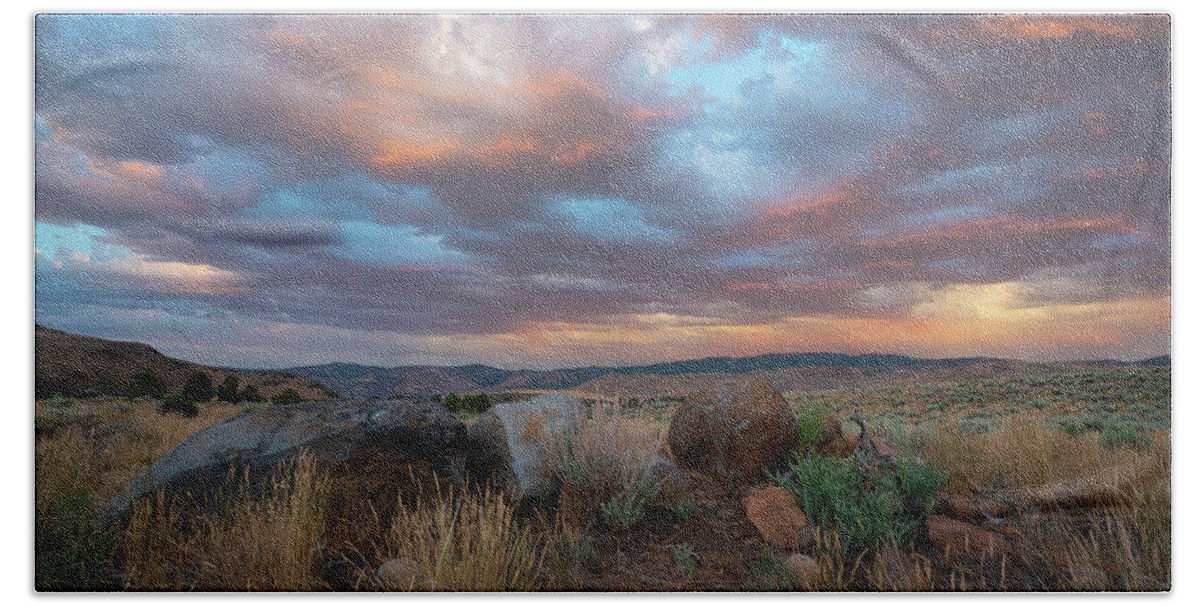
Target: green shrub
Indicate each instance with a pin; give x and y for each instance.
(771, 573)
(976, 425)
(146, 383)
(178, 402)
(1116, 436)
(59, 402)
(625, 508)
(682, 509)
(228, 391)
(287, 396)
(476, 404)
(107, 387)
(810, 423)
(250, 394)
(685, 558)
(833, 496)
(199, 387)
(920, 481)
(469, 406)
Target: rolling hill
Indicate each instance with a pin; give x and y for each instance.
(794, 371)
(72, 365)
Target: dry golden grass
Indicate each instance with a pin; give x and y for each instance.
(606, 464)
(157, 546)
(62, 465)
(1028, 463)
(268, 542)
(461, 541)
(1085, 515)
(126, 437)
(1101, 516)
(272, 543)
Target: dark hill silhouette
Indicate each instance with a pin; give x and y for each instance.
(72, 365)
(362, 380)
(789, 371)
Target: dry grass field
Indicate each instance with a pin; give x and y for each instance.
(1078, 467)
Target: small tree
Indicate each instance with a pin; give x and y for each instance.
(199, 387)
(228, 391)
(251, 394)
(107, 387)
(146, 383)
(452, 402)
(476, 404)
(178, 402)
(287, 397)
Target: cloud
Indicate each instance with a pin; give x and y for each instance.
(529, 183)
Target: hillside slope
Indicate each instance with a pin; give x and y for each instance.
(75, 366)
(793, 371)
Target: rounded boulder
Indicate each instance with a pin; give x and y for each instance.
(735, 432)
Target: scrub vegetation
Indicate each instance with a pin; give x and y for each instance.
(1078, 466)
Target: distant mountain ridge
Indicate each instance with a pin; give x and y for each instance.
(69, 363)
(363, 380)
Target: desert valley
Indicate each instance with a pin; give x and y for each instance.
(846, 473)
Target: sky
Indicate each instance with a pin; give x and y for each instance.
(550, 191)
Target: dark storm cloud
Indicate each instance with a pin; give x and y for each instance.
(435, 175)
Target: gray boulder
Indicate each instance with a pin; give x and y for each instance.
(365, 445)
(505, 441)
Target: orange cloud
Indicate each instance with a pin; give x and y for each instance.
(789, 285)
(575, 152)
(1001, 227)
(1022, 27)
(1129, 166)
(395, 152)
(644, 114)
(140, 170)
(177, 277)
(961, 320)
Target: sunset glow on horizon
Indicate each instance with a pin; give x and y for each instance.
(543, 191)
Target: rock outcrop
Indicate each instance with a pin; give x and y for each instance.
(367, 446)
(734, 433)
(506, 440)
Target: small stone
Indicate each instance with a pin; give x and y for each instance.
(962, 538)
(398, 574)
(805, 569)
(778, 518)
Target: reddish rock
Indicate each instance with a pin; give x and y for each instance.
(778, 518)
(969, 507)
(885, 448)
(962, 538)
(734, 432)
